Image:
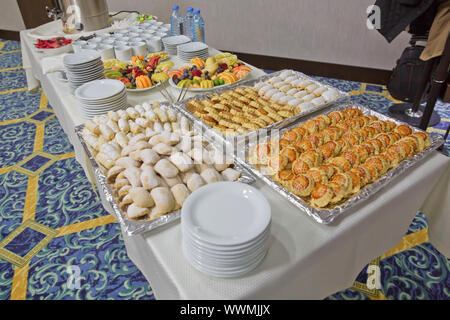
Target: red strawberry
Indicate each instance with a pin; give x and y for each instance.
(196, 73)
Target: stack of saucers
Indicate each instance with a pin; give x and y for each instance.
(82, 67)
(171, 43)
(192, 50)
(100, 96)
(226, 229)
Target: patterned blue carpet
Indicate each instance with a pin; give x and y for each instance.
(54, 230)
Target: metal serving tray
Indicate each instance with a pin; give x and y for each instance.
(133, 227)
(326, 216)
(218, 138)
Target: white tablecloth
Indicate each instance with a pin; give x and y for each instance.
(305, 259)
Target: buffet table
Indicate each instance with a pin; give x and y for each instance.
(306, 260)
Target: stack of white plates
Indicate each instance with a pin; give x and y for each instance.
(100, 96)
(171, 43)
(226, 229)
(82, 67)
(192, 50)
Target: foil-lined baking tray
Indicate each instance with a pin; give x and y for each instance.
(133, 227)
(227, 141)
(326, 216)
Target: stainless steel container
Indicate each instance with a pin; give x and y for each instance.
(81, 15)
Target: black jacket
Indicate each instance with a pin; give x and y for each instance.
(396, 15)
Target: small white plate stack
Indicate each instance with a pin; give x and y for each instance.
(171, 43)
(83, 67)
(100, 96)
(226, 229)
(192, 50)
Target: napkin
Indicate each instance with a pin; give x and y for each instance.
(52, 64)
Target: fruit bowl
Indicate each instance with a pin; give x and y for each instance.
(140, 74)
(207, 75)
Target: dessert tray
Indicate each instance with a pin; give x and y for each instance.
(310, 202)
(230, 137)
(148, 126)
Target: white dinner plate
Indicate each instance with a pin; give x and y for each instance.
(226, 213)
(193, 47)
(82, 57)
(99, 89)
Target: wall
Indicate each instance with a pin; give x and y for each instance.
(10, 16)
(331, 31)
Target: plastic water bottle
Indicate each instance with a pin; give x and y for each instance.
(176, 22)
(188, 22)
(198, 27)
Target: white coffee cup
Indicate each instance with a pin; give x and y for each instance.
(161, 34)
(110, 41)
(120, 43)
(78, 45)
(123, 53)
(121, 31)
(154, 44)
(119, 36)
(131, 35)
(133, 29)
(90, 46)
(159, 23)
(106, 51)
(95, 40)
(139, 48)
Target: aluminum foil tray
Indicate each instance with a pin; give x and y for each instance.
(133, 227)
(217, 137)
(326, 216)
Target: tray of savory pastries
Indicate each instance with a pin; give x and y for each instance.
(146, 161)
(337, 158)
(245, 109)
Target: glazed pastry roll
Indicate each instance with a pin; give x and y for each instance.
(91, 140)
(122, 114)
(132, 113)
(164, 200)
(92, 127)
(304, 83)
(165, 168)
(121, 139)
(264, 89)
(184, 124)
(170, 182)
(259, 85)
(125, 202)
(110, 150)
(158, 127)
(292, 91)
(330, 95)
(106, 131)
(163, 148)
(211, 175)
(310, 88)
(124, 191)
(274, 80)
(308, 97)
(270, 93)
(277, 96)
(284, 100)
(149, 132)
(291, 78)
(113, 125)
(120, 183)
(148, 156)
(175, 126)
(306, 106)
(140, 109)
(151, 115)
(143, 122)
(141, 197)
(286, 73)
(230, 174)
(162, 115)
(113, 173)
(134, 127)
(186, 175)
(300, 94)
(133, 175)
(279, 84)
(194, 182)
(123, 125)
(180, 193)
(149, 178)
(172, 115)
(167, 126)
(134, 211)
(182, 161)
(318, 92)
(318, 101)
(185, 144)
(127, 162)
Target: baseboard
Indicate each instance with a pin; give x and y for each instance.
(9, 35)
(314, 68)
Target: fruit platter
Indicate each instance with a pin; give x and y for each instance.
(218, 71)
(163, 55)
(140, 74)
(53, 45)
